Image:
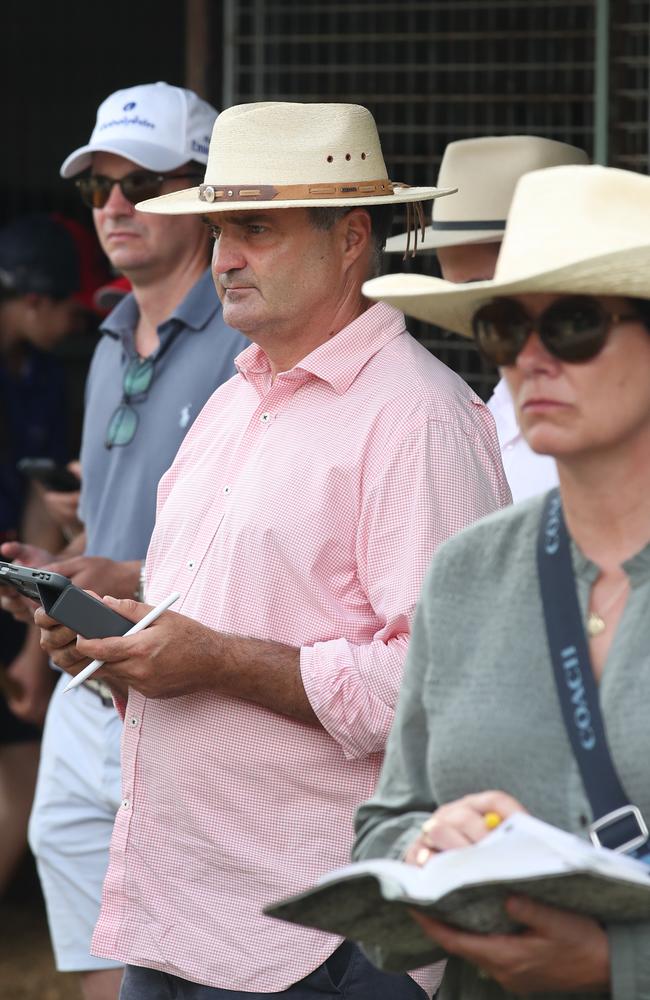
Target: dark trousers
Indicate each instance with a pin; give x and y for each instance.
(347, 973)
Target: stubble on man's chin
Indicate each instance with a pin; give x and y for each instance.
(238, 322)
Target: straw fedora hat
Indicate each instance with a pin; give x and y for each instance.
(576, 230)
(486, 171)
(282, 155)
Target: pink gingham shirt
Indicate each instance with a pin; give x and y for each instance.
(303, 510)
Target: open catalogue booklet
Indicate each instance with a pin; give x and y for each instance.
(368, 901)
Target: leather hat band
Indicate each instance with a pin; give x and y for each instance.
(211, 193)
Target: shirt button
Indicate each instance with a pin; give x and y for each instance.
(227, 490)
(133, 721)
(190, 564)
(126, 803)
(264, 419)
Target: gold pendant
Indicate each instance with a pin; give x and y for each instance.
(595, 625)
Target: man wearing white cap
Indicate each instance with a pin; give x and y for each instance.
(165, 349)
(297, 523)
(466, 233)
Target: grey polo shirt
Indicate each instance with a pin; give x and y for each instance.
(118, 497)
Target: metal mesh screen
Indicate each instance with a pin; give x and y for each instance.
(630, 81)
(430, 72)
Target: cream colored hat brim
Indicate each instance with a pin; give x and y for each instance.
(434, 240)
(486, 170)
(187, 202)
(622, 273)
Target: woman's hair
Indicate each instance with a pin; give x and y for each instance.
(642, 307)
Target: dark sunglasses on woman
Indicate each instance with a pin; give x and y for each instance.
(573, 329)
(95, 189)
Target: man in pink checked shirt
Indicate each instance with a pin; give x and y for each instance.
(297, 521)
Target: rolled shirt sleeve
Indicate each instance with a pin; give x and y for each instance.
(433, 482)
(388, 823)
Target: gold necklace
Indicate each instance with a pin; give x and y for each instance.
(595, 621)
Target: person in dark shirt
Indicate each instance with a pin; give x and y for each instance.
(49, 269)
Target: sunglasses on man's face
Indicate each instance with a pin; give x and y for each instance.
(95, 189)
(573, 329)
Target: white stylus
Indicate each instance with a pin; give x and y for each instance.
(147, 620)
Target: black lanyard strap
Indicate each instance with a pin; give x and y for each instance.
(617, 823)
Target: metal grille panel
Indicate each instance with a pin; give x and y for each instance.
(630, 84)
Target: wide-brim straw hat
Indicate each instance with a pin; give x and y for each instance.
(571, 230)
(486, 171)
(285, 155)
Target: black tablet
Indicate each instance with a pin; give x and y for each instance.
(64, 602)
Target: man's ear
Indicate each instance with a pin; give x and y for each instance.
(356, 231)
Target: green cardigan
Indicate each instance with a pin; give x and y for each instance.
(478, 710)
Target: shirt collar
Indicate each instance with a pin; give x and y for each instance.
(339, 360)
(195, 311)
(637, 566)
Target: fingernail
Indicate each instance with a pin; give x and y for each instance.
(422, 856)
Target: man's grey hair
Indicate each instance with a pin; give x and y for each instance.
(381, 220)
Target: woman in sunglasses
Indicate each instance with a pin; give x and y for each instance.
(556, 589)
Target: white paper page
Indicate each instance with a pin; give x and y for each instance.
(522, 847)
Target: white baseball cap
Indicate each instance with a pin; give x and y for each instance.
(158, 126)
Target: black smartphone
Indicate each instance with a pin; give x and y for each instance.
(52, 476)
(64, 602)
